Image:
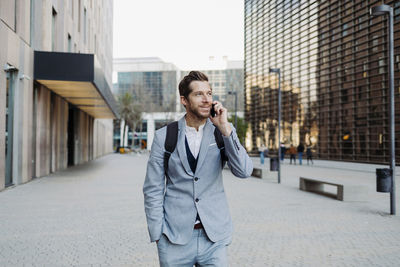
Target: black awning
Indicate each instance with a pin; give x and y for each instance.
(79, 79)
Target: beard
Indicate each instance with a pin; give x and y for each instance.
(196, 112)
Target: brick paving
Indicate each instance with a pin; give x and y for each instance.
(92, 215)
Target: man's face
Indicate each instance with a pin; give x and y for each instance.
(199, 101)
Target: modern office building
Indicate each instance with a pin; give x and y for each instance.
(56, 106)
(154, 84)
(334, 77)
(234, 77)
(149, 79)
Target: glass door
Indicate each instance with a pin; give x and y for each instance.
(34, 128)
(9, 126)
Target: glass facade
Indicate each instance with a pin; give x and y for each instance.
(334, 77)
(156, 88)
(234, 83)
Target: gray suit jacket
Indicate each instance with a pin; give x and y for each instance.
(171, 206)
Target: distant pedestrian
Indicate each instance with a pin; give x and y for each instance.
(300, 151)
(262, 150)
(292, 152)
(283, 151)
(266, 152)
(309, 155)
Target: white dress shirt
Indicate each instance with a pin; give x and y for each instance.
(194, 141)
(194, 138)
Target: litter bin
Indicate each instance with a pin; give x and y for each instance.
(384, 180)
(273, 164)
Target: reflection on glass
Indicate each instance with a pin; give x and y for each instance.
(7, 96)
(334, 78)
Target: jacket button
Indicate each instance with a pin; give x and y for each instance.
(196, 179)
(197, 200)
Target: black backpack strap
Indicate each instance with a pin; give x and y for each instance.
(170, 143)
(220, 144)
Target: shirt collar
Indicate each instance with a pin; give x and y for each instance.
(193, 129)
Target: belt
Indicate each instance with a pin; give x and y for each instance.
(198, 226)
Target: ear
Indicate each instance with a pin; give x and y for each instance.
(184, 101)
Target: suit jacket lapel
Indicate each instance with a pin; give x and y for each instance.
(181, 146)
(208, 136)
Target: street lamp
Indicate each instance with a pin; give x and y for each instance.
(378, 11)
(234, 93)
(278, 71)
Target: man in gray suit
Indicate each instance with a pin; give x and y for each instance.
(187, 211)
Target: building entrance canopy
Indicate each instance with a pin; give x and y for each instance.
(77, 78)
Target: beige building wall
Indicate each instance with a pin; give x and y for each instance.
(59, 136)
(16, 52)
(103, 137)
(51, 119)
(41, 128)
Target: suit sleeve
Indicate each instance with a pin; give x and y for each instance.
(239, 161)
(153, 190)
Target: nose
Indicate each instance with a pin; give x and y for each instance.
(207, 98)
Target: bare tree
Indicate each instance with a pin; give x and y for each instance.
(130, 112)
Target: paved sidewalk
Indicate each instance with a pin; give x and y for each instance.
(92, 215)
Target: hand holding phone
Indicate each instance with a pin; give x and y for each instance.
(212, 111)
(219, 118)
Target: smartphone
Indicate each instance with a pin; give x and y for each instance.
(212, 111)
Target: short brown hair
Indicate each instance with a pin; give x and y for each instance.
(184, 89)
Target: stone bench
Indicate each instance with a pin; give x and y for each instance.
(258, 172)
(263, 173)
(344, 191)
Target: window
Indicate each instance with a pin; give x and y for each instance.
(360, 23)
(344, 96)
(375, 43)
(398, 61)
(355, 47)
(344, 29)
(53, 30)
(84, 26)
(397, 11)
(10, 83)
(365, 68)
(69, 43)
(79, 16)
(381, 65)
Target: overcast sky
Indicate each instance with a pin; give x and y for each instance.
(183, 32)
